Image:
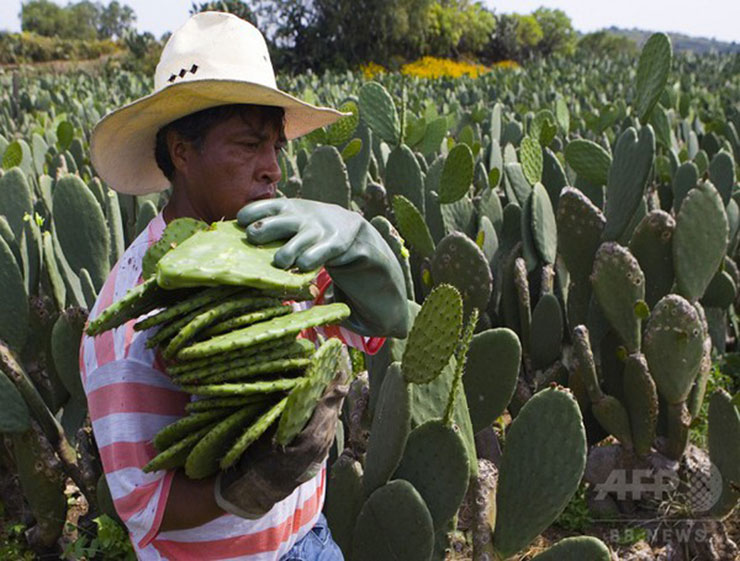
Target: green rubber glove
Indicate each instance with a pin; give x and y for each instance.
(364, 270)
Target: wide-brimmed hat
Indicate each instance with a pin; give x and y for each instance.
(214, 59)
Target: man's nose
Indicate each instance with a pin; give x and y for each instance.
(268, 170)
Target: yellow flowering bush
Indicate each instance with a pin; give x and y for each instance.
(431, 67)
(370, 70)
(507, 64)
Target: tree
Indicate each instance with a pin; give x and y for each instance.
(558, 35)
(81, 20)
(457, 25)
(116, 20)
(604, 43)
(42, 17)
(236, 7)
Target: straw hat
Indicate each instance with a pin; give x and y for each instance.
(214, 59)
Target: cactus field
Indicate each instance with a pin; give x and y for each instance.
(569, 233)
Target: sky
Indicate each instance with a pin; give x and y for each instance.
(718, 19)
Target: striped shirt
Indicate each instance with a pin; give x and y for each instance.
(130, 398)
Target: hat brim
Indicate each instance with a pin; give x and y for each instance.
(122, 143)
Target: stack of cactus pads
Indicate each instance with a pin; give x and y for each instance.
(214, 306)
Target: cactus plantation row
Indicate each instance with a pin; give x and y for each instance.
(569, 237)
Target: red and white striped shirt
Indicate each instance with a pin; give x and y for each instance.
(130, 398)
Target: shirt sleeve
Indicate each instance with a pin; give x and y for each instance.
(369, 345)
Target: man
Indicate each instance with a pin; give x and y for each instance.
(213, 129)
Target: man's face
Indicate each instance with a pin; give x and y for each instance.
(236, 164)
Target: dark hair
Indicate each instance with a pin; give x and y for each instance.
(194, 128)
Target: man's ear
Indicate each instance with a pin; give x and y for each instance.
(179, 150)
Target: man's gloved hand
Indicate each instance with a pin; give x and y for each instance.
(364, 270)
(267, 473)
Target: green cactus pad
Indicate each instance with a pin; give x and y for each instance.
(641, 401)
(546, 332)
(169, 330)
(412, 227)
(433, 336)
(721, 291)
(344, 498)
(584, 365)
(186, 306)
(139, 300)
(580, 224)
(530, 155)
(396, 243)
(724, 448)
(458, 261)
(243, 388)
(544, 228)
(436, 464)
(15, 199)
(81, 228)
(613, 417)
(457, 174)
(221, 255)
(357, 166)
(490, 376)
(619, 286)
(673, 346)
(651, 244)
(699, 241)
(394, 523)
(722, 175)
(577, 548)
(41, 485)
(389, 430)
(14, 415)
(652, 73)
(325, 178)
(685, 179)
(243, 373)
(379, 112)
(178, 430)
(252, 434)
(178, 368)
(517, 182)
(176, 455)
(628, 175)
(262, 332)
(14, 327)
(677, 423)
(250, 318)
(303, 399)
(65, 344)
(589, 160)
(250, 364)
(174, 234)
(225, 402)
(550, 422)
(234, 305)
(403, 176)
(202, 460)
(459, 217)
(342, 131)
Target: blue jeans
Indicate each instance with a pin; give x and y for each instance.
(317, 545)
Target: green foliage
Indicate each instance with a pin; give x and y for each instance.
(237, 7)
(576, 517)
(604, 43)
(558, 35)
(110, 541)
(80, 20)
(457, 26)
